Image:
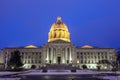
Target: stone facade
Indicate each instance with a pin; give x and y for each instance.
(92, 56)
(59, 50)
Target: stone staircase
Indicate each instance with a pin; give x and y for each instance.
(59, 67)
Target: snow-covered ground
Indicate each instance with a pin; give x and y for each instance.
(59, 72)
(64, 72)
(9, 78)
(110, 77)
(102, 77)
(8, 73)
(56, 72)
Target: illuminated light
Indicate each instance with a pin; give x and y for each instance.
(44, 65)
(77, 61)
(46, 59)
(63, 60)
(73, 65)
(92, 66)
(86, 46)
(105, 67)
(26, 65)
(70, 59)
(59, 31)
(13, 67)
(58, 18)
(30, 46)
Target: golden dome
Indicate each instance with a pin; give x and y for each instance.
(30, 46)
(59, 31)
(87, 46)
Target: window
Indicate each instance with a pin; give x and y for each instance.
(67, 61)
(102, 57)
(39, 61)
(105, 56)
(36, 53)
(22, 53)
(98, 57)
(92, 61)
(84, 53)
(28, 61)
(25, 62)
(28, 56)
(102, 53)
(40, 56)
(77, 55)
(88, 61)
(81, 53)
(84, 56)
(81, 61)
(31, 61)
(85, 61)
(95, 57)
(91, 56)
(98, 53)
(33, 53)
(88, 56)
(91, 53)
(35, 61)
(50, 61)
(88, 53)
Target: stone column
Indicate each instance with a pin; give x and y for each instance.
(70, 54)
(51, 52)
(63, 57)
(66, 53)
(53, 55)
(47, 55)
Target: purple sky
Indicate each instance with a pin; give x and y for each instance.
(90, 22)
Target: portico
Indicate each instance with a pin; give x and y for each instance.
(58, 55)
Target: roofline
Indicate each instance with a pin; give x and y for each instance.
(94, 48)
(21, 48)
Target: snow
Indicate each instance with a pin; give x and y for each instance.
(9, 78)
(8, 73)
(111, 77)
(56, 72)
(62, 72)
(102, 77)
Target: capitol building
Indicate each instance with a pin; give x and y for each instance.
(59, 50)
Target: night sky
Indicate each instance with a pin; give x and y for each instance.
(90, 22)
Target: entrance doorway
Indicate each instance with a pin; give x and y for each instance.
(59, 60)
